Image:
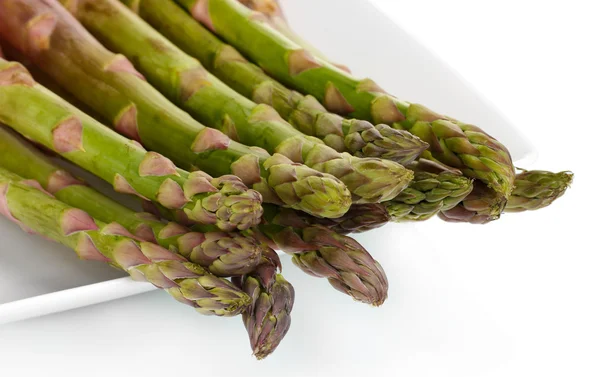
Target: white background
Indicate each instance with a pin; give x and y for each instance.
(518, 297)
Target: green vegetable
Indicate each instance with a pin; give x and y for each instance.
(451, 142)
(534, 190)
(481, 206)
(110, 85)
(223, 254)
(305, 113)
(268, 319)
(321, 252)
(40, 115)
(360, 218)
(537, 189)
(434, 189)
(39, 212)
(184, 80)
(276, 19)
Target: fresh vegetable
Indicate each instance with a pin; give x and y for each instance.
(360, 218)
(110, 85)
(274, 15)
(451, 142)
(49, 120)
(217, 105)
(537, 189)
(328, 153)
(223, 254)
(434, 189)
(268, 318)
(305, 113)
(40, 115)
(534, 190)
(37, 211)
(321, 252)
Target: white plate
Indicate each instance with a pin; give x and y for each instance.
(39, 278)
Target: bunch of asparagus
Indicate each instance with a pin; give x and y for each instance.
(170, 101)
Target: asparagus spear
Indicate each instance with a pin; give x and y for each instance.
(184, 80)
(12, 54)
(534, 190)
(40, 115)
(39, 212)
(428, 194)
(305, 113)
(435, 188)
(481, 206)
(58, 44)
(321, 252)
(267, 320)
(272, 10)
(537, 189)
(360, 218)
(453, 143)
(223, 254)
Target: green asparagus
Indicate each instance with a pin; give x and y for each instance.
(38, 212)
(223, 254)
(534, 190)
(305, 113)
(276, 19)
(451, 142)
(48, 35)
(47, 82)
(40, 115)
(321, 252)
(360, 218)
(481, 206)
(537, 189)
(268, 319)
(435, 188)
(185, 81)
(429, 193)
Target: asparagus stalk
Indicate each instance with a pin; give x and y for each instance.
(360, 218)
(479, 207)
(537, 189)
(305, 113)
(184, 80)
(427, 195)
(267, 320)
(39, 212)
(12, 54)
(321, 252)
(48, 35)
(223, 254)
(434, 189)
(272, 10)
(451, 142)
(40, 115)
(534, 190)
